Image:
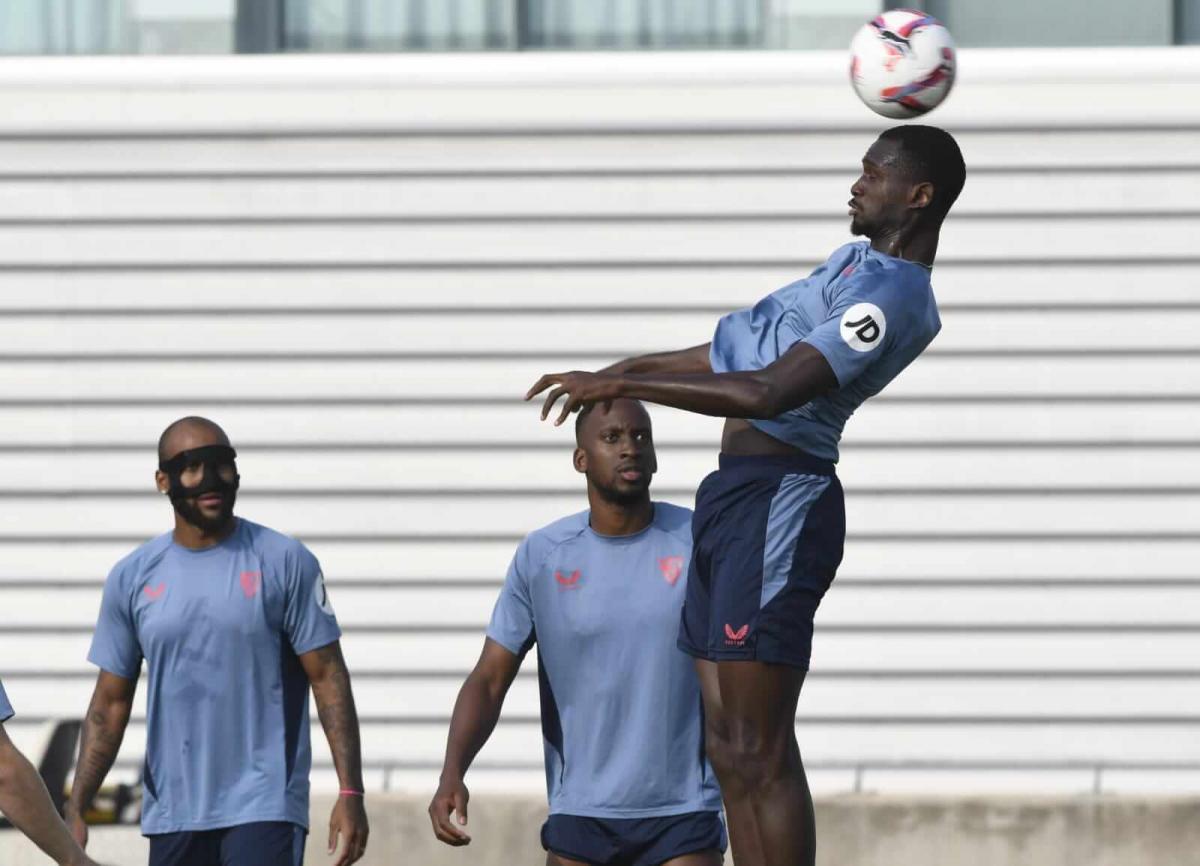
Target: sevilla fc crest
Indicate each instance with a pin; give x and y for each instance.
(671, 567)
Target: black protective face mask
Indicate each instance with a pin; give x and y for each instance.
(211, 457)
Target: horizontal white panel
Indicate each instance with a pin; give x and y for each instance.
(448, 560)
(819, 741)
(974, 781)
(608, 334)
(550, 468)
(716, 288)
(489, 514)
(1155, 782)
(874, 698)
(711, 149)
(559, 243)
(934, 376)
(710, 195)
(430, 608)
(877, 423)
(832, 651)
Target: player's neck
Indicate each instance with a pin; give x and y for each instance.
(195, 538)
(920, 246)
(619, 518)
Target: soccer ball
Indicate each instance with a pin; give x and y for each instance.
(902, 63)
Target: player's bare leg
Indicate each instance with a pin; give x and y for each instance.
(700, 858)
(759, 766)
(744, 834)
(553, 859)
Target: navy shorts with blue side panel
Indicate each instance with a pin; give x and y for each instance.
(768, 534)
(263, 843)
(633, 841)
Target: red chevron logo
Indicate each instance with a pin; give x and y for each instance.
(736, 638)
(568, 581)
(154, 593)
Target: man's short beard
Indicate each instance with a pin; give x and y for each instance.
(193, 516)
(621, 497)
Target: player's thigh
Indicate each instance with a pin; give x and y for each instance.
(265, 843)
(758, 699)
(185, 849)
(553, 859)
(711, 857)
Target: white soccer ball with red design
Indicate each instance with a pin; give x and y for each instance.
(902, 63)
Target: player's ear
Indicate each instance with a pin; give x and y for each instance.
(921, 195)
(161, 481)
(580, 460)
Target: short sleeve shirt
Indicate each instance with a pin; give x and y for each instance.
(6, 710)
(869, 314)
(220, 629)
(621, 709)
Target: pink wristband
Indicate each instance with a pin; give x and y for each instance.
(349, 793)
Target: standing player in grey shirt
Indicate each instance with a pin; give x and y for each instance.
(599, 593)
(769, 526)
(25, 801)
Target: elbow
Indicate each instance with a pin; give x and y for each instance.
(10, 760)
(767, 401)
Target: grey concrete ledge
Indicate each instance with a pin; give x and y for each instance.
(854, 830)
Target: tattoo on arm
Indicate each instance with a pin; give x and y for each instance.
(100, 741)
(338, 715)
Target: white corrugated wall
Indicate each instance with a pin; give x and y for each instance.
(357, 266)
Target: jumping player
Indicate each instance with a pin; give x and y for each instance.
(26, 802)
(600, 592)
(769, 525)
(235, 625)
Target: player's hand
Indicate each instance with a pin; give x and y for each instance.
(580, 389)
(76, 824)
(451, 797)
(349, 820)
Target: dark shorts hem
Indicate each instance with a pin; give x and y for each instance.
(767, 656)
(635, 841)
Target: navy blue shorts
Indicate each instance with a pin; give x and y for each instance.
(633, 841)
(768, 534)
(266, 843)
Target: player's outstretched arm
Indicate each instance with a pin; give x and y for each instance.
(330, 679)
(693, 360)
(475, 715)
(25, 801)
(798, 376)
(100, 740)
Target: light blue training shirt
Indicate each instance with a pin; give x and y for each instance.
(622, 718)
(227, 739)
(6, 710)
(868, 313)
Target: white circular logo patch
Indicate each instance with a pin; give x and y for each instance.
(321, 595)
(863, 327)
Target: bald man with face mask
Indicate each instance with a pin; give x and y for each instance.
(235, 626)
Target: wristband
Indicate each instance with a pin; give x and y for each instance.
(345, 792)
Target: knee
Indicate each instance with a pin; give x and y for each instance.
(755, 757)
(719, 749)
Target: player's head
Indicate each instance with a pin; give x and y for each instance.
(911, 176)
(614, 448)
(197, 469)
